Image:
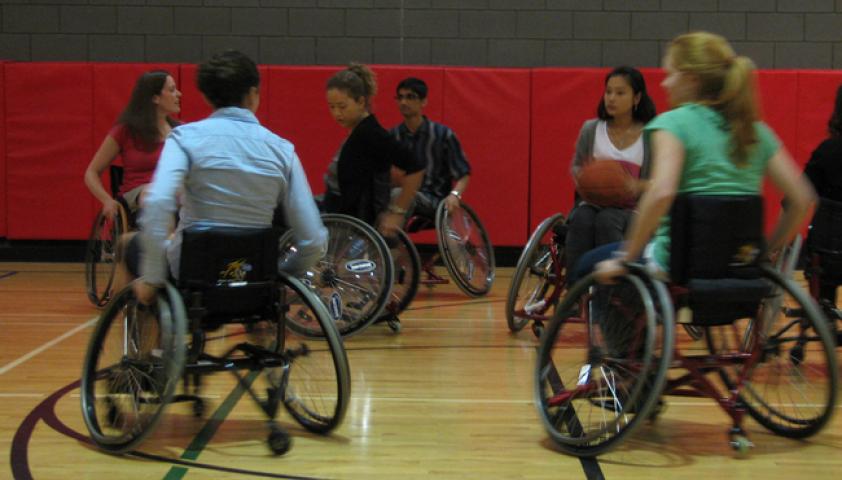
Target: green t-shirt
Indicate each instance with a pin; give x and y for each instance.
(708, 167)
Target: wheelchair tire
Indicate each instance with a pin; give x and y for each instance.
(102, 254)
(316, 382)
(132, 367)
(792, 389)
(407, 273)
(602, 363)
(537, 278)
(354, 279)
(465, 249)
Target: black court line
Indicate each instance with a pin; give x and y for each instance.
(7, 274)
(589, 464)
(19, 452)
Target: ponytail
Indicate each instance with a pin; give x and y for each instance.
(357, 81)
(726, 84)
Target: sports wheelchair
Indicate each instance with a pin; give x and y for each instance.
(540, 277)
(354, 279)
(463, 246)
(138, 353)
(602, 362)
(102, 252)
(823, 268)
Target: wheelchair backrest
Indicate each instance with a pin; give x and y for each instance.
(717, 243)
(826, 228)
(715, 236)
(220, 256)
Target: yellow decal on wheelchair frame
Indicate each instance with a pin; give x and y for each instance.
(235, 270)
(746, 254)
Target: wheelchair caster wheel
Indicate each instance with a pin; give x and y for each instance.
(741, 445)
(279, 441)
(538, 329)
(198, 408)
(394, 325)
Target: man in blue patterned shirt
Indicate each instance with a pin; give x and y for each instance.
(447, 171)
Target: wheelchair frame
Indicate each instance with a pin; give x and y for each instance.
(152, 355)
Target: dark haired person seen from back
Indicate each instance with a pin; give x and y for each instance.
(824, 169)
(825, 166)
(231, 172)
(435, 145)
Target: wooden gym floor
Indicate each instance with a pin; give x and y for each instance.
(448, 397)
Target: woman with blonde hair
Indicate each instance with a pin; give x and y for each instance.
(711, 142)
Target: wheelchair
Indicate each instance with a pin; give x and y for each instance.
(463, 247)
(138, 354)
(102, 251)
(540, 277)
(603, 360)
(824, 260)
(354, 279)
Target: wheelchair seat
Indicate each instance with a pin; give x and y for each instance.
(229, 274)
(717, 243)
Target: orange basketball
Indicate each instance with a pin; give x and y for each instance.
(605, 183)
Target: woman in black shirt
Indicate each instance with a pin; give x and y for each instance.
(358, 179)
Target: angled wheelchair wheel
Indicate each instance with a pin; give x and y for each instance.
(465, 249)
(407, 273)
(316, 382)
(133, 364)
(354, 279)
(602, 363)
(539, 278)
(102, 254)
(790, 370)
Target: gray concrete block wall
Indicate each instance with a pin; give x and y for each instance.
(505, 33)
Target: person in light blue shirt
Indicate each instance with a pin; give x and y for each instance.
(226, 171)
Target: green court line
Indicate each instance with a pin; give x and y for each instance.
(200, 441)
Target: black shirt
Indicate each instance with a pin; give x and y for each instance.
(363, 171)
(825, 169)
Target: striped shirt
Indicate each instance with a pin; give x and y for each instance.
(440, 150)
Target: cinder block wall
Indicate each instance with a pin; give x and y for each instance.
(500, 33)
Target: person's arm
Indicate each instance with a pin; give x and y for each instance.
(800, 198)
(107, 152)
(157, 217)
(452, 200)
(304, 220)
(584, 148)
(404, 159)
(393, 218)
(459, 168)
(667, 165)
